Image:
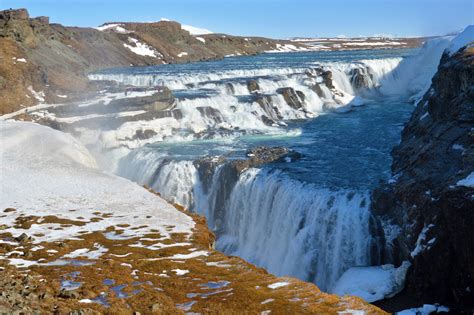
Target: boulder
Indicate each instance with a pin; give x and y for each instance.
(295, 99)
(253, 86)
(317, 89)
(272, 113)
(361, 78)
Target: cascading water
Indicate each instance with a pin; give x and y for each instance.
(308, 218)
(315, 236)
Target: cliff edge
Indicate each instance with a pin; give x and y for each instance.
(429, 201)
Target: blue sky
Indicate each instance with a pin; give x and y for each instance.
(271, 18)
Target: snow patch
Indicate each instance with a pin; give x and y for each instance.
(372, 283)
(195, 30)
(39, 96)
(467, 182)
(426, 309)
(118, 28)
(142, 49)
(421, 239)
(180, 272)
(62, 175)
(277, 285)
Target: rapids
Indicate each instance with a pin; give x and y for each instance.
(309, 218)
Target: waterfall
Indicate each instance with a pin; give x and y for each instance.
(316, 236)
(256, 215)
(287, 226)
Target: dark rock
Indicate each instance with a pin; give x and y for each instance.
(325, 75)
(68, 294)
(263, 155)
(161, 100)
(327, 79)
(272, 112)
(253, 86)
(23, 238)
(212, 113)
(145, 134)
(206, 168)
(435, 214)
(230, 88)
(361, 77)
(294, 99)
(317, 89)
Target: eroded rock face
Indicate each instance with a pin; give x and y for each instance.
(272, 112)
(18, 14)
(294, 99)
(253, 86)
(435, 213)
(361, 78)
(325, 74)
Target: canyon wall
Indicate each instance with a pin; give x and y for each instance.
(430, 199)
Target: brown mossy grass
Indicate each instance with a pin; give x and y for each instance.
(154, 273)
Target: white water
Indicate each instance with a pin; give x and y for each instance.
(233, 111)
(315, 237)
(286, 226)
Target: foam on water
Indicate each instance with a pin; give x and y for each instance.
(288, 226)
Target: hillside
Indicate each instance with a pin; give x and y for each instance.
(49, 62)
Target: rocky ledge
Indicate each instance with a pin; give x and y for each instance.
(430, 198)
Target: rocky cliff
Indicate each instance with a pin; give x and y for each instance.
(429, 201)
(42, 61)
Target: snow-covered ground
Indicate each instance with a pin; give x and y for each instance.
(195, 30)
(48, 173)
(112, 231)
(142, 49)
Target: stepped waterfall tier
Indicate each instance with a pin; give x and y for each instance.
(164, 168)
(305, 216)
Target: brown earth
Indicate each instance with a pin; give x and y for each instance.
(150, 280)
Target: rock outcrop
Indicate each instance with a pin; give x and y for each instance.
(295, 99)
(51, 60)
(429, 197)
(252, 86)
